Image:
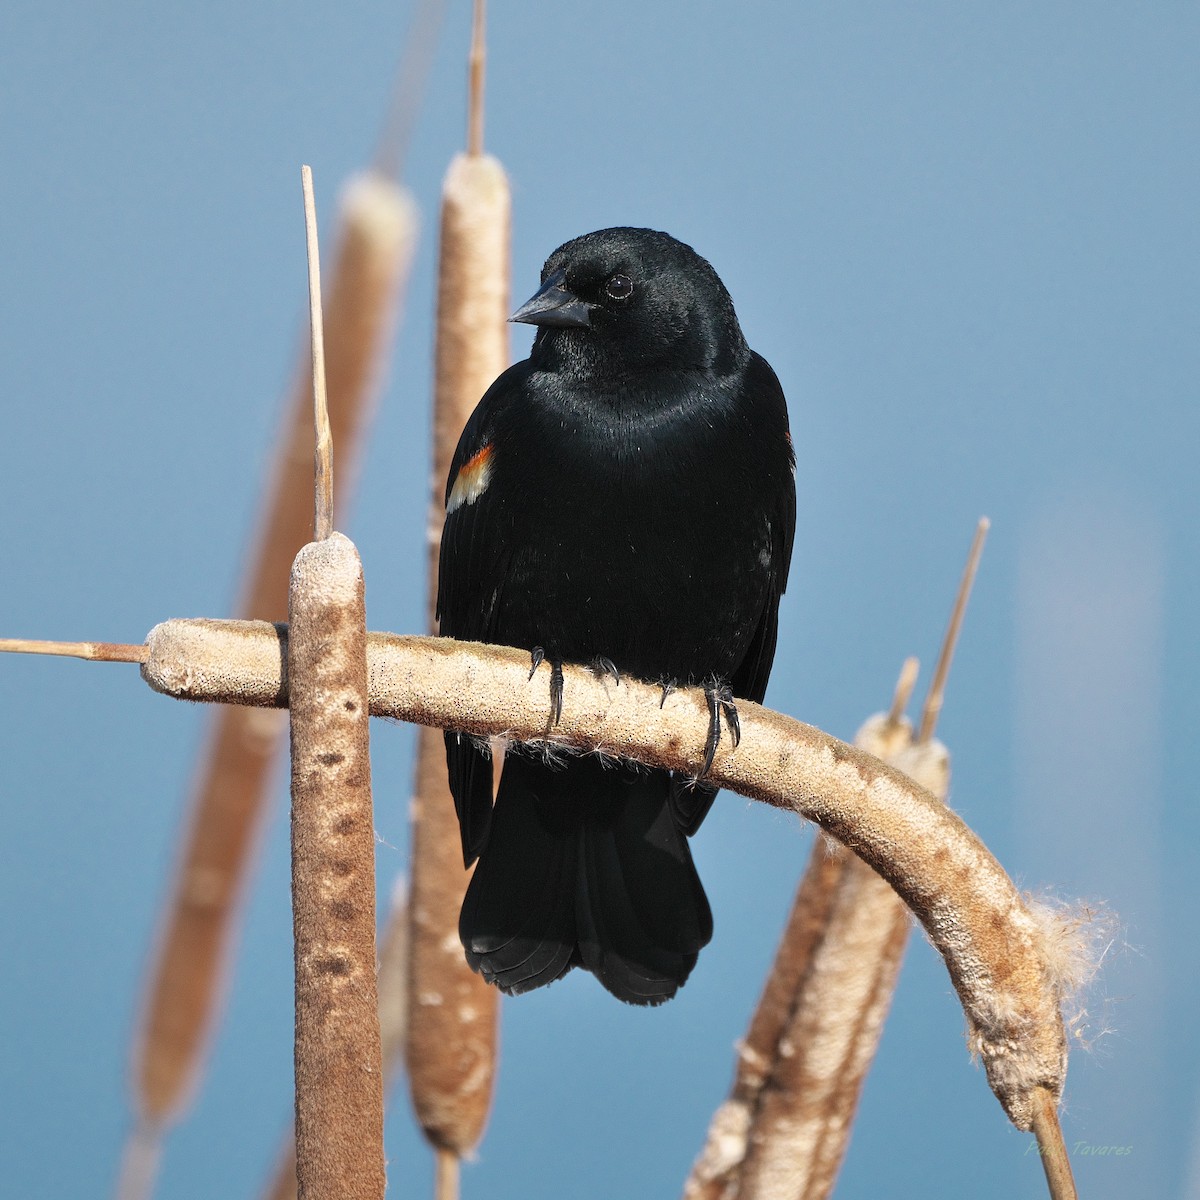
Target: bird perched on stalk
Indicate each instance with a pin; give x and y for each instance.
(622, 498)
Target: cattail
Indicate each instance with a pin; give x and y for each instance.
(728, 1163)
(799, 1078)
(993, 946)
(452, 1013)
(374, 247)
(339, 1082)
(393, 1009)
(802, 1121)
(1009, 965)
(339, 1072)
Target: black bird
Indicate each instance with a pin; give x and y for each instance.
(622, 498)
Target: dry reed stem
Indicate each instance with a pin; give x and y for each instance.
(282, 1185)
(446, 1172)
(453, 1014)
(140, 1160)
(972, 912)
(1060, 1180)
(477, 66)
(339, 1083)
(412, 74)
(937, 687)
(323, 452)
(95, 651)
(909, 671)
(393, 985)
(377, 230)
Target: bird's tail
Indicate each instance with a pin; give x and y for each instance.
(585, 865)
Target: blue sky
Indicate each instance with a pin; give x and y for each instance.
(965, 237)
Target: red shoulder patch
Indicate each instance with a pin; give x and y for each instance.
(472, 479)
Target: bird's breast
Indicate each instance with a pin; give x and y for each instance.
(638, 541)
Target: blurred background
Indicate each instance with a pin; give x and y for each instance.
(964, 235)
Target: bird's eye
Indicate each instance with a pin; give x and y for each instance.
(619, 287)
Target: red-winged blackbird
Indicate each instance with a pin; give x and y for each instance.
(623, 498)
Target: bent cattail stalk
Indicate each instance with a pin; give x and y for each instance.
(377, 228)
(453, 1014)
(339, 1082)
(971, 910)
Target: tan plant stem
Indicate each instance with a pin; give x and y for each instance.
(377, 230)
(95, 651)
(477, 66)
(1060, 1180)
(393, 986)
(323, 454)
(937, 687)
(412, 75)
(446, 1172)
(339, 1083)
(971, 910)
(453, 1014)
(139, 1163)
(903, 694)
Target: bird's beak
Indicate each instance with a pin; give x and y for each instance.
(554, 304)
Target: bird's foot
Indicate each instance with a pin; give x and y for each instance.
(537, 656)
(668, 686)
(720, 701)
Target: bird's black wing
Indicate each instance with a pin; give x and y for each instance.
(690, 802)
(750, 679)
(473, 567)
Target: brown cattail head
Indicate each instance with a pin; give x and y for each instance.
(452, 1014)
(472, 345)
(371, 259)
(339, 1085)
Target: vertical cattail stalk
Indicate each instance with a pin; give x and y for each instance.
(374, 249)
(339, 1073)
(393, 1020)
(339, 1080)
(452, 1013)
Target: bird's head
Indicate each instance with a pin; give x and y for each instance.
(627, 300)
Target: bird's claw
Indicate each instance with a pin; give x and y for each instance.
(602, 666)
(556, 690)
(720, 700)
(668, 686)
(537, 656)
